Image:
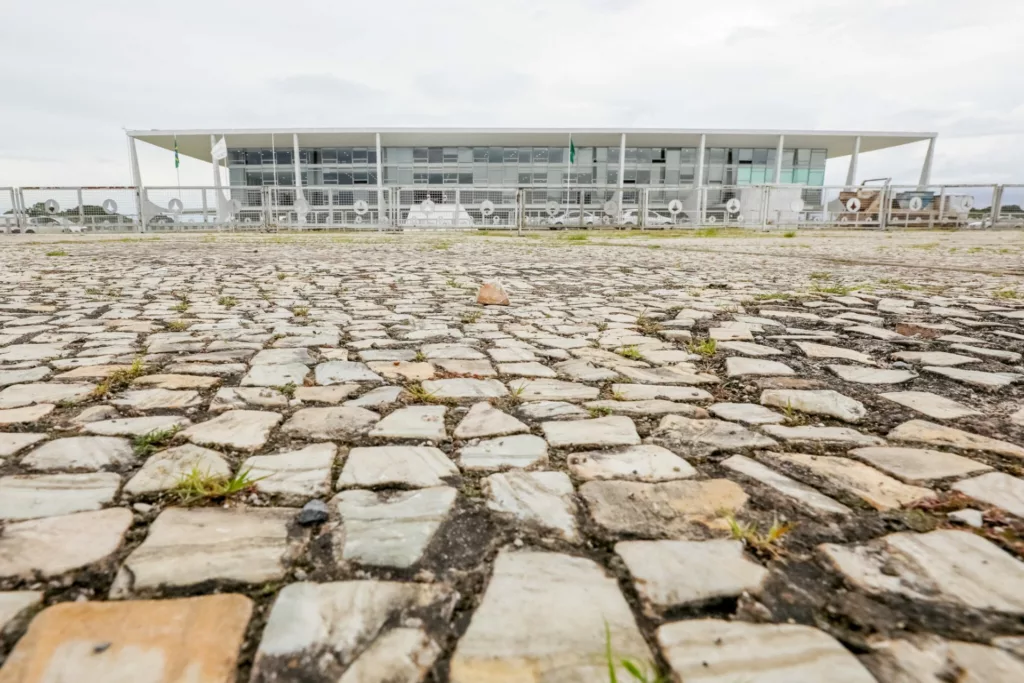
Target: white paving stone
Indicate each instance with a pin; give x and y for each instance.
(804, 495)
(296, 476)
(544, 499)
(484, 420)
(410, 466)
(862, 375)
(162, 471)
(89, 453)
(244, 430)
(520, 450)
(637, 463)
(338, 422)
(914, 465)
(614, 430)
(922, 431)
(49, 495)
(932, 405)
(821, 402)
(414, 422)
(996, 488)
(54, 545)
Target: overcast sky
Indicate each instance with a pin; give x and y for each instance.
(76, 73)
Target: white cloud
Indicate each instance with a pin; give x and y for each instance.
(77, 73)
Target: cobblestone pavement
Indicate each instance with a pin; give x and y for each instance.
(316, 458)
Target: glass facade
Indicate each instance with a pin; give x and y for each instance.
(522, 166)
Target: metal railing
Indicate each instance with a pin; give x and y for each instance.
(761, 207)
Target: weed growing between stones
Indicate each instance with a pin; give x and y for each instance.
(178, 325)
(638, 671)
(196, 486)
(472, 317)
(57, 252)
(702, 347)
(151, 442)
(630, 352)
(599, 411)
(300, 311)
(766, 543)
(119, 379)
(647, 325)
(287, 389)
(228, 301)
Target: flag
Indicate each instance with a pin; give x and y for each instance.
(220, 150)
(572, 151)
(176, 151)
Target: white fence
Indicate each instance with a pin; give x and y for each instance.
(762, 207)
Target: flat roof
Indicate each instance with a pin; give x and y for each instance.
(196, 143)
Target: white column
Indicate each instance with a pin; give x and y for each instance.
(300, 200)
(700, 176)
(851, 173)
(926, 170)
(778, 159)
(133, 157)
(380, 183)
(622, 163)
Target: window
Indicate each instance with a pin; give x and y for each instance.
(716, 155)
(330, 177)
(642, 177)
(344, 155)
(360, 178)
(236, 157)
(435, 155)
(613, 155)
(253, 157)
(540, 178)
(309, 156)
(803, 157)
(466, 155)
(525, 178)
(525, 155)
(435, 178)
(540, 155)
(236, 176)
(286, 178)
(586, 178)
(451, 178)
(480, 155)
(450, 155)
(746, 156)
(630, 154)
(556, 155)
(760, 156)
(613, 176)
(359, 155)
(254, 178)
(495, 155)
(372, 175)
(644, 155)
(345, 178)
(420, 178)
(267, 156)
(371, 156)
(419, 155)
(268, 178)
(284, 157)
(818, 158)
(465, 178)
(510, 155)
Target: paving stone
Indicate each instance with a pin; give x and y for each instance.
(603, 431)
(522, 450)
(162, 471)
(462, 388)
(136, 426)
(11, 443)
(240, 398)
(637, 463)
(408, 466)
(48, 495)
(647, 408)
(862, 375)
(390, 530)
(351, 632)
(283, 357)
(668, 375)
(204, 545)
(747, 413)
(483, 419)
(27, 376)
(824, 402)
(341, 372)
(158, 399)
(244, 430)
(730, 334)
(551, 390)
(25, 415)
(178, 381)
(922, 431)
(551, 410)
(527, 369)
(945, 566)
(333, 394)
(812, 350)
(159, 641)
(715, 651)
(985, 380)
(99, 372)
(207, 369)
(330, 423)
(381, 397)
(705, 437)
(37, 352)
(544, 499)
(750, 349)
(662, 510)
(915, 465)
(89, 453)
(671, 574)
(805, 496)
(854, 478)
(413, 372)
(738, 366)
(295, 476)
(20, 395)
(649, 392)
(839, 436)
(275, 375)
(1018, 417)
(1005, 356)
(929, 659)
(54, 545)
(936, 358)
(15, 605)
(414, 422)
(932, 405)
(512, 636)
(996, 488)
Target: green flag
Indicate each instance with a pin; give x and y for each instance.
(176, 151)
(572, 151)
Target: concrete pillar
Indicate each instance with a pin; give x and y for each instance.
(622, 162)
(300, 199)
(926, 169)
(851, 172)
(133, 157)
(380, 183)
(778, 159)
(700, 159)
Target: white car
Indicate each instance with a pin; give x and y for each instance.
(654, 219)
(572, 218)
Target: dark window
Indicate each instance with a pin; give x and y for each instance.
(435, 155)
(451, 155)
(254, 178)
(761, 156)
(524, 178)
(329, 156)
(330, 177)
(525, 155)
(540, 178)
(236, 156)
(746, 156)
(642, 177)
(556, 155)
(419, 178)
(267, 156)
(345, 178)
(373, 177)
(371, 156)
(419, 155)
(510, 155)
(360, 178)
(644, 155)
(540, 155)
(286, 178)
(451, 178)
(284, 157)
(480, 155)
(253, 157)
(465, 179)
(359, 155)
(436, 179)
(630, 154)
(494, 155)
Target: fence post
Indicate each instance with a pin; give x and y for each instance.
(521, 208)
(81, 209)
(997, 206)
(882, 217)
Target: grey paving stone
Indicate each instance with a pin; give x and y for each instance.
(544, 499)
(822, 402)
(27, 376)
(54, 545)
(244, 430)
(49, 495)
(380, 397)
(668, 375)
(935, 358)
(483, 419)
(705, 437)
(15, 604)
(330, 423)
(12, 442)
(985, 380)
(604, 431)
(520, 450)
(738, 366)
(414, 422)
(804, 435)
(922, 431)
(136, 426)
(463, 388)
(390, 530)
(162, 471)
(26, 415)
(747, 413)
(996, 488)
(715, 651)
(929, 658)
(333, 394)
(914, 465)
(20, 395)
(862, 375)
(670, 574)
(343, 372)
(803, 495)
(275, 375)
(408, 466)
(89, 453)
(296, 476)
(241, 398)
(637, 463)
(512, 636)
(932, 405)
(953, 567)
(204, 545)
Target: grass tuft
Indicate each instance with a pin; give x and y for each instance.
(417, 391)
(840, 290)
(820, 275)
(151, 442)
(196, 486)
(1006, 294)
(767, 543)
(181, 306)
(638, 671)
(789, 233)
(419, 357)
(300, 311)
(228, 301)
(178, 325)
(703, 347)
(119, 379)
(287, 389)
(647, 325)
(599, 411)
(57, 252)
(630, 352)
(470, 318)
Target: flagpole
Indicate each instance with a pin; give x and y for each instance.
(177, 171)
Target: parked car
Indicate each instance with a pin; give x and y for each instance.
(572, 218)
(654, 219)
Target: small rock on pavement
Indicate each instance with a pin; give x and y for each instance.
(492, 294)
(968, 516)
(313, 512)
